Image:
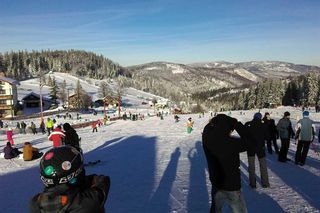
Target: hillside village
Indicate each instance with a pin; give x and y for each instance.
(23, 98)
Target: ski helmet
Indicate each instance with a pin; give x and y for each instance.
(61, 165)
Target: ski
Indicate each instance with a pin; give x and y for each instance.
(92, 163)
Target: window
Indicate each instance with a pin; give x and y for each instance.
(3, 101)
(2, 91)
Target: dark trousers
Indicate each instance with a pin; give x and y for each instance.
(263, 171)
(285, 142)
(49, 131)
(275, 145)
(95, 129)
(302, 152)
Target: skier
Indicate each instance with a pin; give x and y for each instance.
(189, 125)
(10, 134)
(30, 153)
(285, 131)
(19, 127)
(43, 127)
(33, 128)
(258, 133)
(176, 118)
(71, 137)
(49, 125)
(67, 188)
(272, 136)
(23, 127)
(1, 124)
(56, 136)
(305, 135)
(94, 127)
(222, 154)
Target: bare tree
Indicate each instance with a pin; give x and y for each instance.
(119, 90)
(105, 90)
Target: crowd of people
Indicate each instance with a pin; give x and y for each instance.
(57, 133)
(68, 188)
(222, 152)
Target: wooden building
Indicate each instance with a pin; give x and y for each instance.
(32, 100)
(8, 95)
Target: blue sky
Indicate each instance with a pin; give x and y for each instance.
(135, 31)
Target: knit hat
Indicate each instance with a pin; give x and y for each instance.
(305, 113)
(257, 116)
(66, 126)
(61, 165)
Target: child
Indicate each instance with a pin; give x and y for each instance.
(56, 136)
(189, 125)
(10, 152)
(94, 127)
(67, 188)
(30, 153)
(10, 136)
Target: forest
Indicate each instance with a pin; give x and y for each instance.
(23, 65)
(303, 90)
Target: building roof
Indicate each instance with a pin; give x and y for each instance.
(10, 80)
(35, 95)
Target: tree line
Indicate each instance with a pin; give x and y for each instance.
(303, 90)
(23, 65)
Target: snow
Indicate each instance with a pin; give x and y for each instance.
(91, 86)
(155, 166)
(176, 69)
(246, 74)
(151, 68)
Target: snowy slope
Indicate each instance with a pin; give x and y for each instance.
(155, 166)
(131, 96)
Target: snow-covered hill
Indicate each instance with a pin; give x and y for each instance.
(131, 96)
(155, 166)
(199, 77)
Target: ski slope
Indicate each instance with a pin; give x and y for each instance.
(132, 97)
(155, 166)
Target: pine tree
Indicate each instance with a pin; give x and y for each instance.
(49, 81)
(63, 92)
(54, 91)
(78, 93)
(312, 89)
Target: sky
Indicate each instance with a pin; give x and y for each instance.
(183, 31)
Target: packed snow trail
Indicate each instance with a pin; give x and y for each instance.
(156, 166)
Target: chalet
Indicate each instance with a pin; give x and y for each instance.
(8, 95)
(32, 100)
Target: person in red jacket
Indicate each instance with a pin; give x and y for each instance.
(94, 127)
(56, 136)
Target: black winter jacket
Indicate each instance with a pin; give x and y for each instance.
(65, 198)
(222, 152)
(258, 133)
(272, 128)
(71, 138)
